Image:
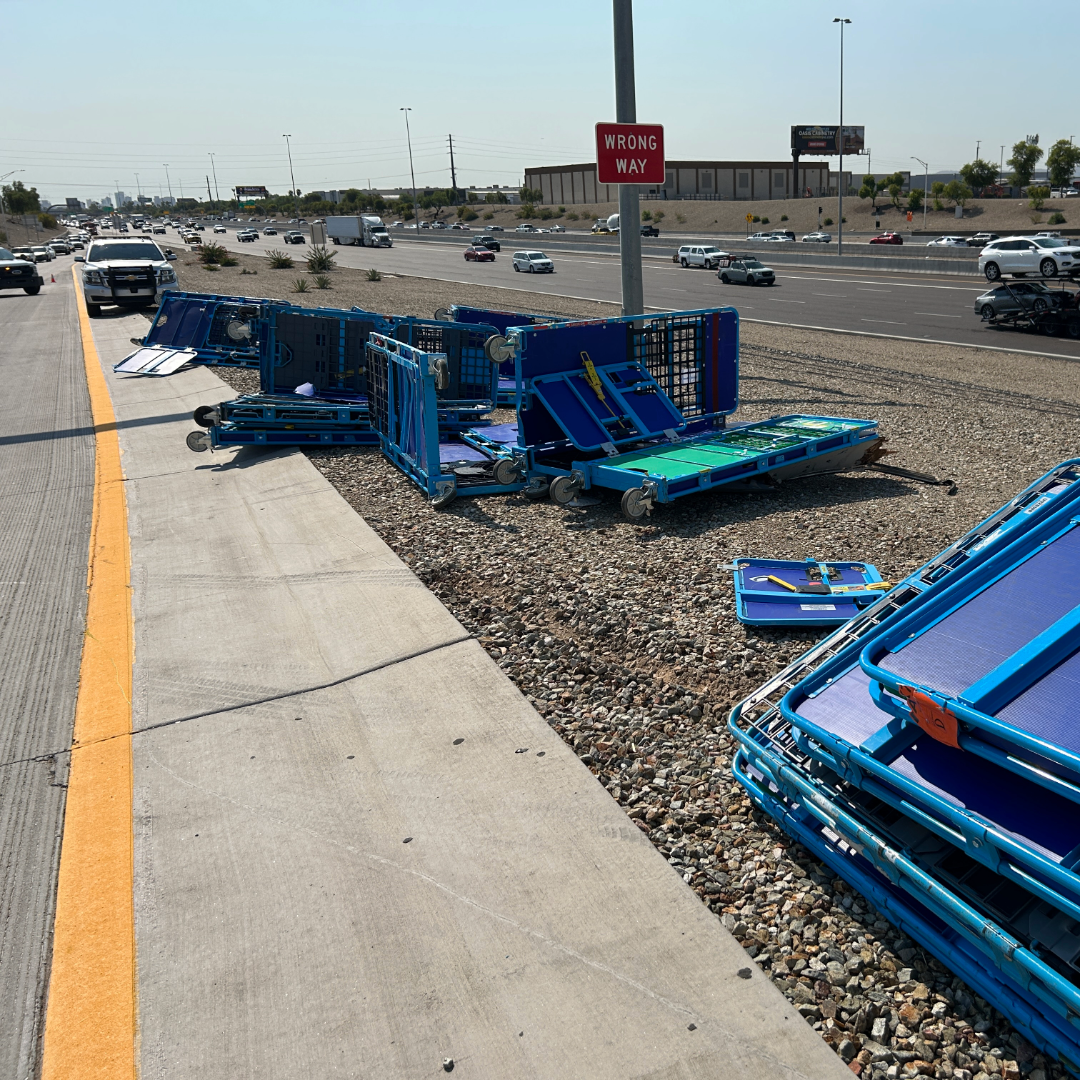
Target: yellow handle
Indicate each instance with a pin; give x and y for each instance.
(591, 377)
(781, 581)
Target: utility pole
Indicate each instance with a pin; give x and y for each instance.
(406, 109)
(168, 180)
(209, 197)
(292, 177)
(926, 187)
(453, 173)
(840, 141)
(213, 169)
(978, 143)
(1001, 167)
(633, 293)
(138, 187)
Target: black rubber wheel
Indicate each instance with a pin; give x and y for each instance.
(992, 271)
(987, 312)
(198, 441)
(633, 505)
(32, 290)
(205, 415)
(1072, 328)
(93, 310)
(445, 499)
(532, 269)
(1048, 268)
(1049, 327)
(535, 494)
(682, 263)
(563, 490)
(724, 279)
(1039, 304)
(517, 269)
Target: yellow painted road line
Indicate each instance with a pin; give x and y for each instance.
(91, 1022)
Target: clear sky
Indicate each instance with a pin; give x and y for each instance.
(97, 93)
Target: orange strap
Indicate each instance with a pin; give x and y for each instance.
(934, 719)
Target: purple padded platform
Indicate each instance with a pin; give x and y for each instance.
(503, 433)
(1019, 807)
(809, 608)
(456, 451)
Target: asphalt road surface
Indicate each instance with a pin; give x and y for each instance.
(46, 491)
(887, 303)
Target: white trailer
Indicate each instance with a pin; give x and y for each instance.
(364, 230)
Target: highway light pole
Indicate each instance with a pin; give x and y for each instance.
(925, 187)
(213, 169)
(406, 109)
(633, 294)
(167, 180)
(292, 177)
(840, 144)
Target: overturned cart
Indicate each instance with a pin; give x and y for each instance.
(314, 379)
(639, 406)
(928, 753)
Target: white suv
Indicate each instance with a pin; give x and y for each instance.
(533, 262)
(127, 272)
(701, 255)
(1020, 255)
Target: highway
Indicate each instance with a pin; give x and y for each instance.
(889, 303)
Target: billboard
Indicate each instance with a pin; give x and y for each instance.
(822, 139)
(630, 153)
(252, 193)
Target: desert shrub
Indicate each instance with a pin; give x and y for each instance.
(471, 215)
(320, 260)
(279, 260)
(210, 254)
(680, 219)
(374, 275)
(1056, 218)
(562, 209)
(322, 281)
(527, 211)
(47, 221)
(755, 218)
(213, 267)
(229, 260)
(301, 284)
(545, 214)
(783, 217)
(764, 221)
(938, 204)
(828, 221)
(246, 271)
(489, 215)
(646, 215)
(571, 216)
(658, 216)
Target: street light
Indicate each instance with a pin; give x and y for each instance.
(292, 177)
(926, 189)
(213, 169)
(840, 179)
(167, 180)
(406, 109)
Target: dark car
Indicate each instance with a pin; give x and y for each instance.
(19, 273)
(981, 239)
(649, 230)
(479, 253)
(887, 238)
(489, 242)
(1021, 296)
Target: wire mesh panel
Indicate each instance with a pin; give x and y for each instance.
(473, 378)
(671, 351)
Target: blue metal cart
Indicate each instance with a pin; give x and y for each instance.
(785, 592)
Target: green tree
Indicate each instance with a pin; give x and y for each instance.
(531, 195)
(1037, 196)
(47, 221)
(894, 185)
(495, 197)
(957, 192)
(978, 174)
(869, 190)
(18, 199)
(1061, 163)
(1025, 156)
(915, 199)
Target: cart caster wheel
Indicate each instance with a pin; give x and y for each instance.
(536, 491)
(206, 416)
(506, 472)
(198, 441)
(563, 490)
(443, 499)
(635, 505)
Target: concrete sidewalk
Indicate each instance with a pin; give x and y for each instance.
(359, 851)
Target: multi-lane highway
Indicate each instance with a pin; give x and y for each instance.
(920, 307)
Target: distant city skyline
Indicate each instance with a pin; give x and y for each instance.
(726, 82)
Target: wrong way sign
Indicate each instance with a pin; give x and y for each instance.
(630, 154)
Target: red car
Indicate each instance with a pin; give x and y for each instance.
(888, 238)
(479, 253)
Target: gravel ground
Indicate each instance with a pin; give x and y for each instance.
(625, 640)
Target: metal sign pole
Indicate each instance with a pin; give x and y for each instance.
(633, 295)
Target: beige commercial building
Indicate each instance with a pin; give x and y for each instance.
(562, 184)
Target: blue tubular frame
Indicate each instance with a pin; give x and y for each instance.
(405, 411)
(887, 887)
(225, 435)
(192, 316)
(977, 731)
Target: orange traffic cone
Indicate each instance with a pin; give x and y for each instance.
(53, 278)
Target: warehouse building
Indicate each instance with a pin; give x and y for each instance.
(562, 184)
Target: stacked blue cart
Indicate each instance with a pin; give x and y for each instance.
(929, 753)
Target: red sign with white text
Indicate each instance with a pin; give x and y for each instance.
(630, 154)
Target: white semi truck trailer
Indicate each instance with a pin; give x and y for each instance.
(364, 230)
